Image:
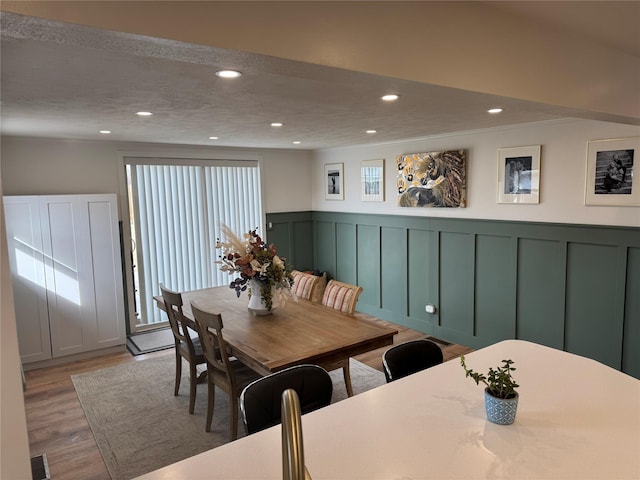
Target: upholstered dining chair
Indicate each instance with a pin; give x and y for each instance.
(185, 346)
(261, 401)
(410, 357)
(308, 286)
(228, 374)
(343, 297)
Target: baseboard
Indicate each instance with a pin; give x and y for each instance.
(52, 362)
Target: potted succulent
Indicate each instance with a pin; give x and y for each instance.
(500, 396)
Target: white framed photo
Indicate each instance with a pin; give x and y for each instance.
(334, 181)
(609, 174)
(519, 174)
(372, 180)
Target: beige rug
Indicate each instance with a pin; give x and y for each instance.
(140, 426)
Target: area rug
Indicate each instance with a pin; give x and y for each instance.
(140, 426)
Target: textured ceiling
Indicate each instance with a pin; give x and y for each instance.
(69, 81)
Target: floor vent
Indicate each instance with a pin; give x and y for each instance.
(441, 342)
(40, 467)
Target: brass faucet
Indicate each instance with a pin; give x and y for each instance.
(292, 445)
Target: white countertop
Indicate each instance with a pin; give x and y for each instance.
(577, 419)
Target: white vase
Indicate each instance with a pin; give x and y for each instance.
(257, 304)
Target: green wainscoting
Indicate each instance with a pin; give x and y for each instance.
(572, 287)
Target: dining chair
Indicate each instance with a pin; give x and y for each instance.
(308, 286)
(261, 401)
(343, 297)
(410, 357)
(185, 346)
(224, 372)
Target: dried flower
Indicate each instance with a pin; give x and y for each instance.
(253, 259)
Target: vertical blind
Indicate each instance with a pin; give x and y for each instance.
(177, 211)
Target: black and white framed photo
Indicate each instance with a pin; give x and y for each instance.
(372, 180)
(610, 168)
(519, 174)
(334, 181)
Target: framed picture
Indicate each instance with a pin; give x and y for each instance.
(372, 180)
(334, 181)
(610, 168)
(432, 179)
(519, 174)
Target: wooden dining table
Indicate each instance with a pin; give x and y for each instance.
(297, 332)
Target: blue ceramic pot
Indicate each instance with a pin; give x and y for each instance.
(499, 410)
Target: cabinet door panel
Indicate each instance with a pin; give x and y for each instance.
(107, 271)
(26, 262)
(62, 243)
(65, 261)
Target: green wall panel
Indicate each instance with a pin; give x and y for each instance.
(631, 345)
(574, 287)
(302, 238)
(456, 282)
(325, 247)
(540, 294)
(421, 262)
(368, 240)
(591, 309)
(495, 281)
(394, 264)
(280, 236)
(346, 253)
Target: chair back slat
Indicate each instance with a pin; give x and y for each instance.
(173, 306)
(213, 344)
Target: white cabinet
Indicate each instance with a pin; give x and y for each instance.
(64, 254)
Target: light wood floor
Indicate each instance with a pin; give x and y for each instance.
(58, 427)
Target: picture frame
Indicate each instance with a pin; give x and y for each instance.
(372, 180)
(334, 181)
(435, 179)
(609, 172)
(519, 175)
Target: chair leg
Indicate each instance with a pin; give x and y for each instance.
(347, 378)
(233, 434)
(192, 386)
(211, 398)
(178, 373)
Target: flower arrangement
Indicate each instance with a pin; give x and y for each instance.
(253, 259)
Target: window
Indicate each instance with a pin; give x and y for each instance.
(176, 209)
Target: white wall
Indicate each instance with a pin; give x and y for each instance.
(37, 166)
(563, 166)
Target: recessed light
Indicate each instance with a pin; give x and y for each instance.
(144, 114)
(371, 131)
(213, 138)
(297, 142)
(276, 124)
(105, 132)
(494, 110)
(228, 73)
(390, 98)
